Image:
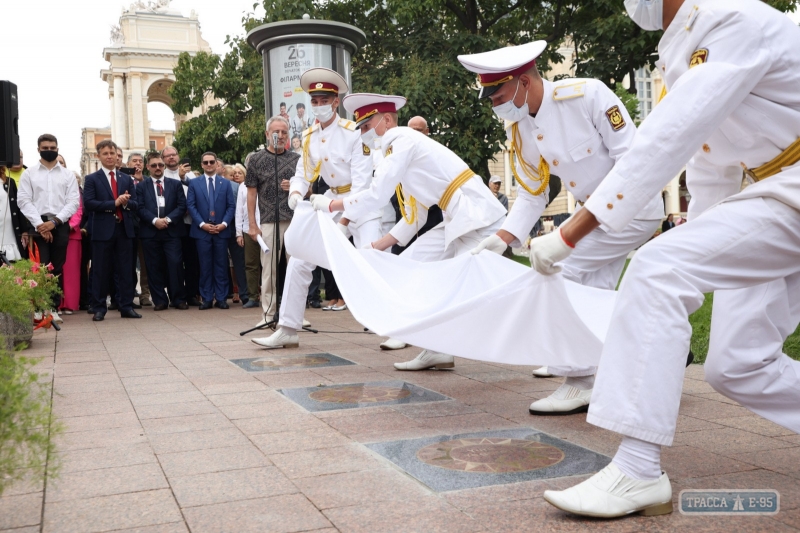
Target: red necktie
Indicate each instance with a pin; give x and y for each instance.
(114, 192)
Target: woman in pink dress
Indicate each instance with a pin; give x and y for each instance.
(72, 266)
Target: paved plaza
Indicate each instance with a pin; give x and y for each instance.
(175, 423)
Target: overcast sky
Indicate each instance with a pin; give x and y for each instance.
(53, 51)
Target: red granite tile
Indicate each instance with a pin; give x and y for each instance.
(296, 441)
(231, 485)
(211, 460)
(19, 511)
(430, 514)
(729, 441)
(350, 458)
(106, 482)
(783, 460)
(352, 488)
(120, 454)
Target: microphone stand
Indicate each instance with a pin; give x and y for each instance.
(280, 275)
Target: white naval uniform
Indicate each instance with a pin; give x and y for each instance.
(343, 161)
(426, 168)
(738, 104)
(578, 132)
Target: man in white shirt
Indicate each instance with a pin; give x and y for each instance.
(48, 196)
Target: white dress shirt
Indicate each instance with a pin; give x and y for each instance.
(242, 220)
(213, 178)
(155, 190)
(44, 192)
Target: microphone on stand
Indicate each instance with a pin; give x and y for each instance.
(275, 141)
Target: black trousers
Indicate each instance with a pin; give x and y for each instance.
(191, 266)
(114, 255)
(164, 262)
(55, 252)
(313, 289)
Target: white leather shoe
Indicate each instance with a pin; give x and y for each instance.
(393, 344)
(279, 339)
(610, 493)
(339, 308)
(566, 400)
(57, 319)
(306, 323)
(542, 372)
(427, 359)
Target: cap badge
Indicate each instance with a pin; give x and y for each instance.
(318, 86)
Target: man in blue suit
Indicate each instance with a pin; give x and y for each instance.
(162, 205)
(107, 195)
(212, 207)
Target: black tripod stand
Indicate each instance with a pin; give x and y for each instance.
(276, 250)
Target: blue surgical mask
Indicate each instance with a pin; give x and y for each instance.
(647, 14)
(509, 111)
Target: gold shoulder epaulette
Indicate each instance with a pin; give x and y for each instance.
(347, 124)
(572, 90)
(308, 131)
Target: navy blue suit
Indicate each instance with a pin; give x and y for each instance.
(162, 247)
(212, 250)
(111, 238)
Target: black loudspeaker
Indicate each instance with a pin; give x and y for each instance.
(9, 124)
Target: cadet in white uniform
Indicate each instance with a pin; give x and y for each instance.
(332, 150)
(577, 129)
(422, 172)
(732, 69)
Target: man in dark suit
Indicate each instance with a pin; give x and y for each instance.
(107, 195)
(212, 206)
(161, 205)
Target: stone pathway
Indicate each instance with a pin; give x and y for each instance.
(164, 434)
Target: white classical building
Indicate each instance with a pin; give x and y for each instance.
(144, 51)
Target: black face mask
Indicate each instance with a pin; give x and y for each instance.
(49, 155)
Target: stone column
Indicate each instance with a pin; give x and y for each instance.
(120, 132)
(112, 109)
(137, 116)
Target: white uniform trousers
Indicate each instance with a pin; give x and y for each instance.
(298, 276)
(598, 261)
(749, 250)
(430, 247)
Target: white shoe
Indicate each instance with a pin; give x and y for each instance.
(610, 493)
(339, 308)
(566, 400)
(306, 323)
(279, 339)
(328, 307)
(57, 319)
(427, 359)
(393, 344)
(542, 372)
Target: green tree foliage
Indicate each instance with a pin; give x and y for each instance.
(630, 101)
(411, 50)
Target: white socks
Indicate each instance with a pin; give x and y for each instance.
(638, 459)
(289, 331)
(580, 382)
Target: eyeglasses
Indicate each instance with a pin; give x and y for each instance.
(209, 162)
(157, 165)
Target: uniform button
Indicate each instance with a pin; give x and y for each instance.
(706, 148)
(619, 196)
(333, 175)
(326, 159)
(555, 162)
(572, 183)
(587, 196)
(589, 151)
(323, 140)
(540, 136)
(610, 206)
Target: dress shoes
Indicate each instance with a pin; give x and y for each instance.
(315, 304)
(129, 314)
(192, 302)
(136, 306)
(542, 372)
(160, 307)
(205, 305)
(339, 307)
(98, 317)
(250, 304)
(610, 493)
(183, 306)
(222, 305)
(393, 344)
(279, 339)
(427, 359)
(566, 400)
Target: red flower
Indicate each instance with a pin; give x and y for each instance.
(35, 268)
(49, 267)
(18, 280)
(32, 283)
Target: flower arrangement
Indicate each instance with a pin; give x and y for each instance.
(25, 288)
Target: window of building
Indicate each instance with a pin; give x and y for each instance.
(644, 91)
(152, 145)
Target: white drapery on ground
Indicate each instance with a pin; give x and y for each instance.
(483, 307)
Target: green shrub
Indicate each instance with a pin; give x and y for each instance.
(27, 426)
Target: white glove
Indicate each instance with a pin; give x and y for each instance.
(321, 202)
(342, 228)
(294, 199)
(492, 243)
(548, 250)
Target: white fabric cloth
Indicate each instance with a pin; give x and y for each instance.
(735, 245)
(8, 240)
(580, 144)
(51, 192)
(447, 306)
(242, 219)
